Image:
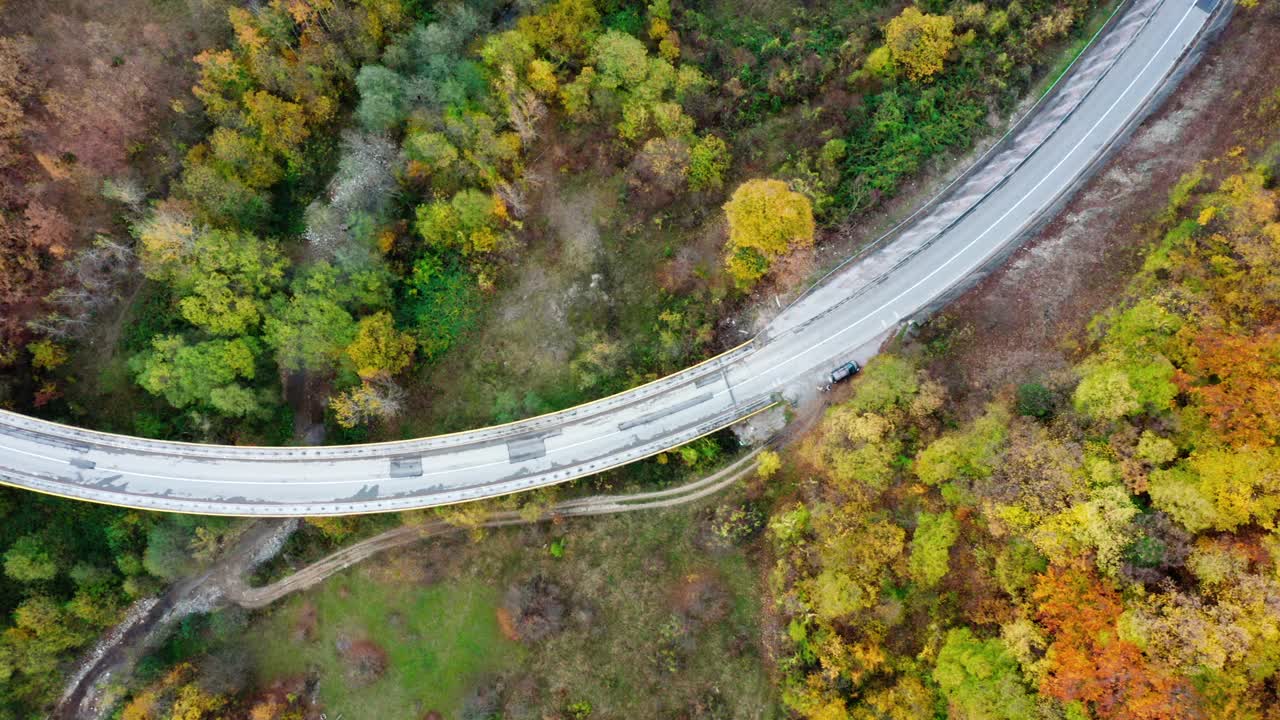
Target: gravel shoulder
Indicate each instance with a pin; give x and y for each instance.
(1029, 317)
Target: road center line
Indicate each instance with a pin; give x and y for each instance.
(770, 371)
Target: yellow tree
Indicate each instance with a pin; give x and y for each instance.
(768, 464)
(376, 398)
(920, 42)
(380, 349)
(766, 220)
(281, 125)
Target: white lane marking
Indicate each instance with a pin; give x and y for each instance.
(1015, 206)
(757, 376)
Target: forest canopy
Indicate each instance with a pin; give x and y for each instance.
(1104, 547)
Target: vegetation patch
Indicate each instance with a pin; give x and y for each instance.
(637, 614)
(378, 648)
(1052, 553)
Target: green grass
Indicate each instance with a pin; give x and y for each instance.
(628, 571)
(439, 640)
(627, 626)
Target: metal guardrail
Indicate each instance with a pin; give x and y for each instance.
(103, 490)
(1000, 145)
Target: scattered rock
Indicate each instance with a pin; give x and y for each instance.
(758, 428)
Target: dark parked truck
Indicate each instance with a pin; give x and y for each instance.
(844, 372)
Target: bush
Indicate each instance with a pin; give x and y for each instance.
(438, 303)
(1035, 400)
(734, 524)
(768, 464)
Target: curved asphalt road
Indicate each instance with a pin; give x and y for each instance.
(986, 212)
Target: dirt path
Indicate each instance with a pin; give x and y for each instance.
(88, 692)
(238, 592)
(111, 661)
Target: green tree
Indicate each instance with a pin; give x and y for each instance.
(576, 95)
(971, 454)
(312, 330)
(1220, 488)
(1106, 393)
(1100, 524)
(980, 679)
(886, 383)
(223, 199)
(227, 279)
(54, 629)
(431, 149)
(1035, 400)
(313, 327)
(621, 61)
(438, 304)
(206, 373)
(511, 48)
(382, 98)
(29, 560)
(931, 547)
(854, 550)
(856, 450)
(471, 222)
(168, 554)
(708, 162)
(1155, 449)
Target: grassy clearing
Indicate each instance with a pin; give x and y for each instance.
(658, 656)
(438, 639)
(591, 271)
(657, 622)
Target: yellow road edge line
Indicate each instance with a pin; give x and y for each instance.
(384, 443)
(259, 516)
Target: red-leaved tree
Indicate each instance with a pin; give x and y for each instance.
(1089, 663)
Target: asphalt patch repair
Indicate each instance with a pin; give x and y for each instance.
(1032, 313)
